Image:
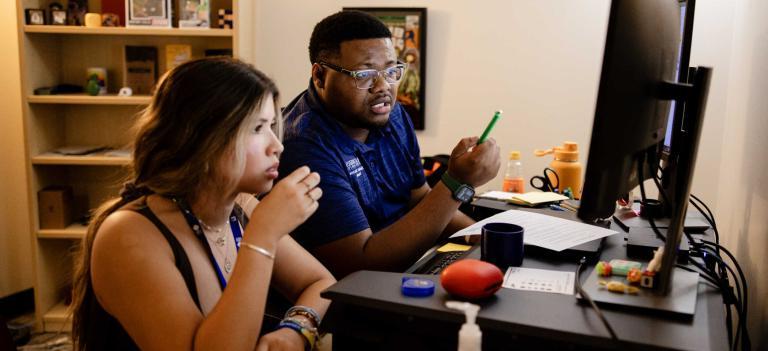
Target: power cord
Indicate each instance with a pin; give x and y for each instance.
(713, 267)
(583, 293)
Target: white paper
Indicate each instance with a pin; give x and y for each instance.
(539, 280)
(544, 231)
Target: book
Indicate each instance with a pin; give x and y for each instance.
(528, 199)
(176, 54)
(140, 69)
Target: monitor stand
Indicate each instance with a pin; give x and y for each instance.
(680, 302)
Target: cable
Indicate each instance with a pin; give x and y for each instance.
(742, 328)
(710, 219)
(592, 302)
(640, 162)
(666, 200)
(706, 277)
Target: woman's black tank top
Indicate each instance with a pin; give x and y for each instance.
(104, 331)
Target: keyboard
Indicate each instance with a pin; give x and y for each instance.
(439, 261)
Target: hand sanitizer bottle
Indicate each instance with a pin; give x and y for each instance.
(470, 336)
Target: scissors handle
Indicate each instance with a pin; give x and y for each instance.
(550, 173)
(543, 183)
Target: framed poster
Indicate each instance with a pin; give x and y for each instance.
(409, 36)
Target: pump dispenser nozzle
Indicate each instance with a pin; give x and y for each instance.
(470, 336)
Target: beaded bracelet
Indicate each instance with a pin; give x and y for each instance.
(304, 311)
(309, 334)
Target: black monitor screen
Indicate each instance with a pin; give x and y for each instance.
(642, 49)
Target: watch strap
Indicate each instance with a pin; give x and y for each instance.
(450, 182)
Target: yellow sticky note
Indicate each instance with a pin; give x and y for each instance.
(451, 247)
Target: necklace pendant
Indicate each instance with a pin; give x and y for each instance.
(220, 241)
(227, 265)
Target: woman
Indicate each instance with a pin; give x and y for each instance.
(156, 261)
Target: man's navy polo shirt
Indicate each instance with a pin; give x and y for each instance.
(365, 185)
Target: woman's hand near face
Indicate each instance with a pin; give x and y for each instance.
(289, 204)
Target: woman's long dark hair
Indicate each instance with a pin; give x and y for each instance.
(197, 115)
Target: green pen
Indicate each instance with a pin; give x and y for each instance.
(488, 129)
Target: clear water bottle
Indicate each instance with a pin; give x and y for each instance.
(513, 177)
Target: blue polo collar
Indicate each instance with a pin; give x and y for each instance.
(345, 141)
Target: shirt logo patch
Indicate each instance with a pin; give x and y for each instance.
(354, 167)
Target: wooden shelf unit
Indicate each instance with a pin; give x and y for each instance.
(58, 318)
(83, 99)
(86, 160)
(124, 31)
(73, 231)
(52, 55)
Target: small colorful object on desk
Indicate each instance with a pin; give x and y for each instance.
(556, 207)
(568, 192)
(646, 280)
(471, 279)
(622, 267)
(618, 287)
(634, 275)
(416, 287)
(603, 269)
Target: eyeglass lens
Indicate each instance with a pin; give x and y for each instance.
(365, 79)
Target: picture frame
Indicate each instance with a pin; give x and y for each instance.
(34, 16)
(148, 13)
(59, 17)
(194, 14)
(409, 36)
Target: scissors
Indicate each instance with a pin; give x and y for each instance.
(544, 183)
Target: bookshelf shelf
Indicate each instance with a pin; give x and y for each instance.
(57, 319)
(86, 160)
(73, 231)
(82, 99)
(175, 32)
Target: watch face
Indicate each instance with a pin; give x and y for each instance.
(464, 193)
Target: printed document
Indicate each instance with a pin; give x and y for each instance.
(539, 280)
(544, 231)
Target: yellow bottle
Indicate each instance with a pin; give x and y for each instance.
(566, 165)
(513, 177)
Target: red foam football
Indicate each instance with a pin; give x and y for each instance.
(471, 279)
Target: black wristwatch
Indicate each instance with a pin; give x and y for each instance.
(461, 192)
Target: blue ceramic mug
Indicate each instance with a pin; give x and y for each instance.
(502, 245)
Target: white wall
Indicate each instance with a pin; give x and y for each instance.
(15, 240)
(540, 62)
(742, 199)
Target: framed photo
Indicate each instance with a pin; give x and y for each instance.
(148, 13)
(194, 14)
(59, 17)
(409, 36)
(35, 16)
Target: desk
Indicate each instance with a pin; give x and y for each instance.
(369, 313)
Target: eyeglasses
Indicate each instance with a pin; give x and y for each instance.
(366, 78)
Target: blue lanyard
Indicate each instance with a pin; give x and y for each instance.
(197, 228)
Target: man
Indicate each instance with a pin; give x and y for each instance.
(377, 212)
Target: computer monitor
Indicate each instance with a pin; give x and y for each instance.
(639, 79)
